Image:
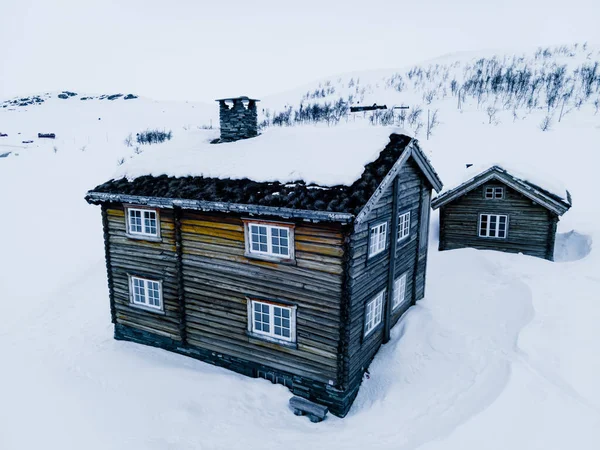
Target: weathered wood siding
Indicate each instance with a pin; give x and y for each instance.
(218, 278)
(154, 260)
(531, 227)
(367, 276)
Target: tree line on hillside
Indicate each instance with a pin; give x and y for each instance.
(509, 83)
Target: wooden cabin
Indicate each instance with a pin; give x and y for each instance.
(295, 282)
(497, 210)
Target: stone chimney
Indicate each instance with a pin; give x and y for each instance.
(238, 118)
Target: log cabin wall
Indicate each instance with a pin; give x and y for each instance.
(207, 280)
(219, 279)
(146, 259)
(531, 227)
(367, 276)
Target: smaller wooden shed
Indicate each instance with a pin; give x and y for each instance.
(498, 210)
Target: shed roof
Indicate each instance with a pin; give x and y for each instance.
(542, 192)
(309, 171)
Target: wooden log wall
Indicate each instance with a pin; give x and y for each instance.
(218, 279)
(149, 259)
(207, 280)
(368, 277)
(530, 229)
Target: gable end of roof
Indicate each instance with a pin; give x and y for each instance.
(533, 192)
(413, 151)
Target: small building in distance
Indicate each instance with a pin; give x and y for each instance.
(502, 210)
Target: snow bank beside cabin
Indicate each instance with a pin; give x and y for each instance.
(326, 156)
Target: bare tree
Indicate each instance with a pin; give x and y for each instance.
(429, 96)
(128, 140)
(414, 115)
(418, 127)
(121, 161)
(402, 116)
(491, 112)
(432, 122)
(546, 123)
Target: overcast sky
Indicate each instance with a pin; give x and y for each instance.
(198, 50)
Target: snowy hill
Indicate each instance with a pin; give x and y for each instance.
(502, 353)
(557, 79)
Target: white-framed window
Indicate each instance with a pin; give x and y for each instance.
(143, 222)
(494, 192)
(272, 320)
(493, 225)
(373, 312)
(403, 225)
(377, 238)
(400, 296)
(146, 293)
(272, 240)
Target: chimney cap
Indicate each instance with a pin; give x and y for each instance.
(243, 97)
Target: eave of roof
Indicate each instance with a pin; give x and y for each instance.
(200, 205)
(530, 190)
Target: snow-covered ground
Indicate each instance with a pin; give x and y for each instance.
(502, 353)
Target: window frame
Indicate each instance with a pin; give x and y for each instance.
(385, 241)
(401, 237)
(146, 305)
(143, 234)
(396, 305)
(494, 190)
(379, 296)
(269, 255)
(487, 236)
(270, 335)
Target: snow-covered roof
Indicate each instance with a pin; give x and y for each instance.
(318, 173)
(321, 155)
(541, 188)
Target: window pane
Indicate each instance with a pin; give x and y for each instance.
(261, 317)
(399, 291)
(150, 222)
(279, 241)
(258, 238)
(373, 312)
(282, 325)
(139, 291)
(135, 221)
(373, 241)
(403, 225)
(377, 239)
(153, 293)
(502, 225)
(483, 226)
